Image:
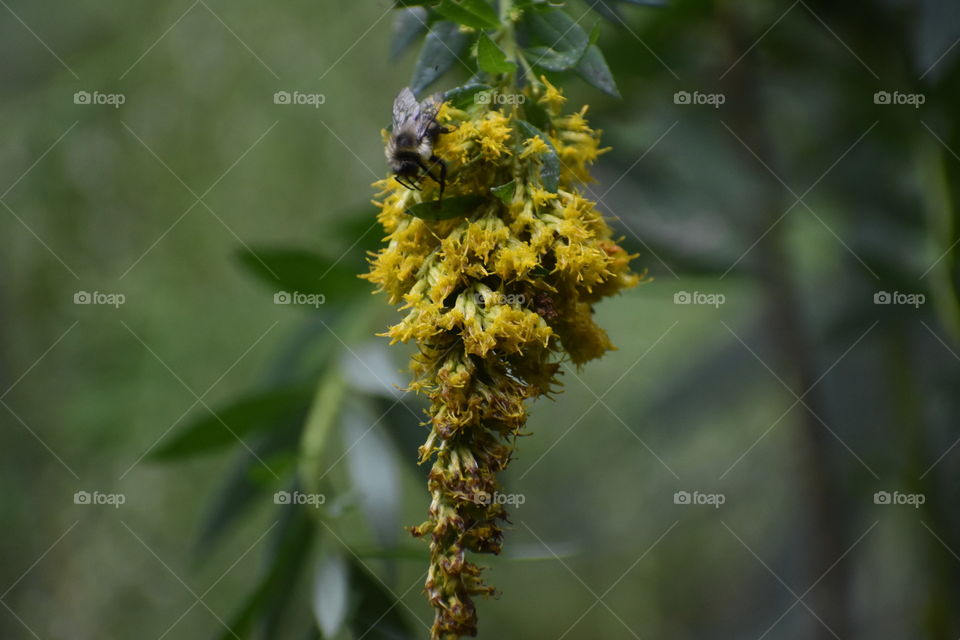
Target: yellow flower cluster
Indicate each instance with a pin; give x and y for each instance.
(495, 300)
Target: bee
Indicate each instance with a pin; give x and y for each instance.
(415, 131)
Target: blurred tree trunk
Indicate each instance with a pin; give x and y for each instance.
(795, 358)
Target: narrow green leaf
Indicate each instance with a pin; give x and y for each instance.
(446, 208)
(558, 42)
(296, 270)
(491, 59)
(408, 24)
(442, 48)
(550, 169)
(376, 614)
(292, 542)
(593, 68)
(324, 410)
(472, 13)
(463, 97)
(505, 191)
(595, 33)
(254, 413)
(536, 115)
(609, 9)
(241, 489)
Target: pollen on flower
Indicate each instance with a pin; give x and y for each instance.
(534, 146)
(494, 301)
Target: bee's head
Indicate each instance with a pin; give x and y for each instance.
(406, 168)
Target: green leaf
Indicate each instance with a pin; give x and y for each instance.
(593, 68)
(293, 540)
(241, 489)
(558, 41)
(377, 616)
(324, 410)
(505, 191)
(609, 10)
(463, 97)
(441, 50)
(550, 168)
(472, 13)
(491, 59)
(302, 271)
(257, 412)
(536, 115)
(446, 208)
(408, 24)
(595, 33)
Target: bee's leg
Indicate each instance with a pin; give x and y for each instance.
(409, 184)
(442, 180)
(443, 173)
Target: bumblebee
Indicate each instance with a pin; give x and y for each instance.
(415, 131)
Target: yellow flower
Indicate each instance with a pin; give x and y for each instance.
(552, 97)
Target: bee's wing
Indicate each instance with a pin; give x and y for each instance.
(405, 108)
(427, 113)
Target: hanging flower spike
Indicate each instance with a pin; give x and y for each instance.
(495, 301)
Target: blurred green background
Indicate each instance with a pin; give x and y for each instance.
(799, 199)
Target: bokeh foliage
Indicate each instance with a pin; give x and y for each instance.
(688, 194)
